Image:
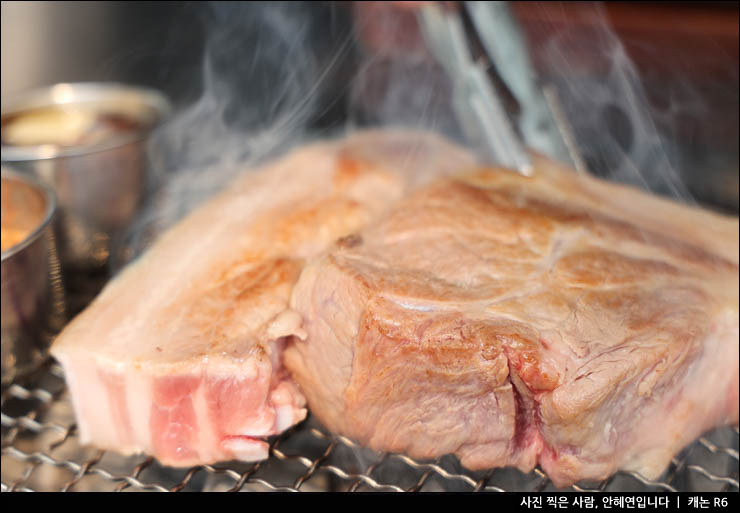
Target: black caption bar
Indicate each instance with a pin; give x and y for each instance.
(625, 501)
(452, 502)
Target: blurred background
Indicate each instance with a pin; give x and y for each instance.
(686, 54)
(655, 104)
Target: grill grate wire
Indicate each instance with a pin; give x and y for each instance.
(41, 452)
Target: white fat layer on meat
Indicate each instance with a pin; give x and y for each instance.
(70, 375)
(245, 449)
(284, 417)
(95, 404)
(208, 442)
(139, 394)
(260, 424)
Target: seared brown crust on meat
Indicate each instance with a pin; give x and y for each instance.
(516, 321)
(180, 355)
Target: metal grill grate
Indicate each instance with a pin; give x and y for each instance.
(41, 452)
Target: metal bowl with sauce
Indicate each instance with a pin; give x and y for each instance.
(32, 293)
(87, 142)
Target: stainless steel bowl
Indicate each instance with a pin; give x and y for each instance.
(99, 185)
(32, 298)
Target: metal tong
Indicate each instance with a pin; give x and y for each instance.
(476, 102)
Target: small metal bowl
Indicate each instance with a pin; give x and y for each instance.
(32, 293)
(99, 184)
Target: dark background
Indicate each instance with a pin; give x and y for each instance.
(683, 51)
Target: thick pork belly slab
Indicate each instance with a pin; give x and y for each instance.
(554, 320)
(180, 355)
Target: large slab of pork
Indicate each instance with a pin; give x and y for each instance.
(180, 356)
(554, 320)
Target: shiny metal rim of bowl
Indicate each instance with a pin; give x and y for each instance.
(51, 205)
(82, 93)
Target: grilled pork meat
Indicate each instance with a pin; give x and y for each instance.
(555, 320)
(180, 355)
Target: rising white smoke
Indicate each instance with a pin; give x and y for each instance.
(267, 70)
(263, 84)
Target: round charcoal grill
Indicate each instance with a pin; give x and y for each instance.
(41, 452)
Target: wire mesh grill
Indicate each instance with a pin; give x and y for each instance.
(41, 452)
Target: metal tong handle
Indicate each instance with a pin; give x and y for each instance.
(476, 103)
